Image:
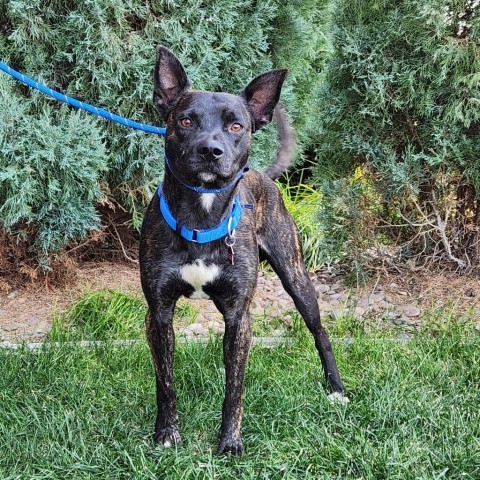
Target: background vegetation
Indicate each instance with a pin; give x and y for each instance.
(385, 97)
(61, 170)
(398, 146)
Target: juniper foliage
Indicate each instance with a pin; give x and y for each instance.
(57, 165)
(401, 100)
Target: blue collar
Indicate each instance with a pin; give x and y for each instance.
(224, 228)
(208, 190)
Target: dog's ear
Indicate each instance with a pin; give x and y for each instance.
(169, 81)
(262, 95)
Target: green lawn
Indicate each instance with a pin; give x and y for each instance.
(67, 412)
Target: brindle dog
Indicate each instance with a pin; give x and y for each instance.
(207, 145)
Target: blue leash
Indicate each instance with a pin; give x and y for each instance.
(100, 112)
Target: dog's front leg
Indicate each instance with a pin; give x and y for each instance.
(161, 338)
(236, 345)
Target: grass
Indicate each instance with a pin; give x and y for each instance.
(302, 201)
(114, 315)
(88, 413)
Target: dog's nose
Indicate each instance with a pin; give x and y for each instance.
(211, 149)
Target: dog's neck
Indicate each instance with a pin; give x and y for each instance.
(194, 209)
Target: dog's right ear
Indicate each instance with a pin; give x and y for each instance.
(169, 81)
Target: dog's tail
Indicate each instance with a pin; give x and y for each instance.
(287, 144)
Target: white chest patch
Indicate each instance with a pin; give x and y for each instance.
(207, 200)
(197, 274)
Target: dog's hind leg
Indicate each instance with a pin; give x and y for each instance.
(283, 250)
(161, 339)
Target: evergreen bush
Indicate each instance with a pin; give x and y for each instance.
(401, 100)
(57, 165)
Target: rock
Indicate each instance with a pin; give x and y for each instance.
(33, 320)
(321, 288)
(411, 311)
(197, 329)
(216, 327)
(11, 327)
(188, 333)
(403, 293)
(337, 286)
(363, 302)
(12, 295)
(258, 312)
(279, 293)
(376, 297)
(334, 302)
(358, 312)
(338, 296)
(390, 316)
(338, 313)
(325, 306)
(42, 328)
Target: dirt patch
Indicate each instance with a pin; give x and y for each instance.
(396, 300)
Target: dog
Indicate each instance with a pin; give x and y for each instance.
(207, 226)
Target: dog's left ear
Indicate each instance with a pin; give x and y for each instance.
(262, 95)
(169, 81)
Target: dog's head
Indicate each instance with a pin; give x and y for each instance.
(208, 133)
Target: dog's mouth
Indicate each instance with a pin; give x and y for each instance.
(215, 172)
(207, 177)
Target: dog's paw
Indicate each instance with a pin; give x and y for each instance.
(230, 444)
(167, 437)
(338, 397)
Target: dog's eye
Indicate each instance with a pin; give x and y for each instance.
(236, 127)
(186, 122)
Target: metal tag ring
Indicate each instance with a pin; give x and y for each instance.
(230, 241)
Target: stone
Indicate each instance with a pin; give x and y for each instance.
(338, 313)
(188, 333)
(321, 288)
(42, 328)
(197, 329)
(375, 297)
(33, 320)
(358, 312)
(363, 302)
(12, 295)
(412, 312)
(11, 327)
(258, 312)
(279, 293)
(325, 306)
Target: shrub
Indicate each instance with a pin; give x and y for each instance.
(56, 165)
(401, 97)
